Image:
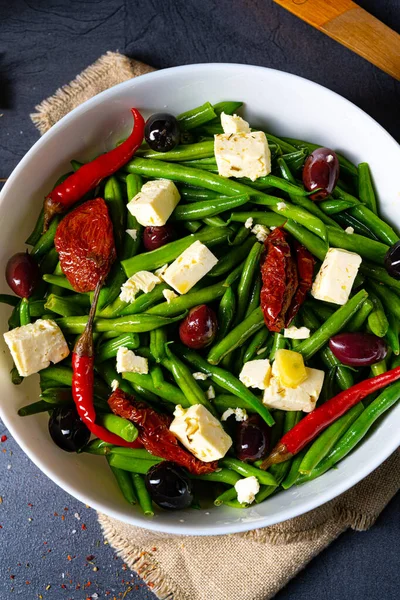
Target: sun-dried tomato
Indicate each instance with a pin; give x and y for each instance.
(85, 243)
(305, 268)
(154, 432)
(279, 277)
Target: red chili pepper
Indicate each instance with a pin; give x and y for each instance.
(89, 175)
(85, 243)
(305, 269)
(279, 276)
(154, 433)
(320, 418)
(83, 378)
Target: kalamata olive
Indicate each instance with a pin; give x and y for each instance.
(169, 486)
(392, 261)
(162, 132)
(321, 170)
(67, 430)
(252, 439)
(199, 328)
(155, 237)
(22, 274)
(358, 349)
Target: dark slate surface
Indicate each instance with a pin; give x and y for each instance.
(44, 44)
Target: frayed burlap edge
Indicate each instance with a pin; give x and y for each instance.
(109, 70)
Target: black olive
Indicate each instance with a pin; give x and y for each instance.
(169, 486)
(162, 132)
(67, 430)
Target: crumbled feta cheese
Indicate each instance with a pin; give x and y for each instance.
(349, 230)
(281, 206)
(336, 276)
(160, 272)
(200, 376)
(169, 295)
(303, 397)
(114, 385)
(34, 346)
(247, 489)
(240, 414)
(195, 262)
(261, 232)
(210, 393)
(256, 373)
(296, 333)
(242, 155)
(234, 124)
(155, 202)
(128, 362)
(249, 223)
(142, 281)
(200, 432)
(133, 233)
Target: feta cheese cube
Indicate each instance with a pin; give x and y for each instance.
(247, 489)
(195, 262)
(336, 276)
(200, 376)
(35, 345)
(303, 397)
(261, 232)
(296, 333)
(256, 373)
(142, 281)
(234, 124)
(155, 202)
(240, 414)
(128, 362)
(200, 432)
(242, 155)
(169, 295)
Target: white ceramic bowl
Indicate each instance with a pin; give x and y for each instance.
(282, 103)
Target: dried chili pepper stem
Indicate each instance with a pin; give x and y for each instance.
(320, 418)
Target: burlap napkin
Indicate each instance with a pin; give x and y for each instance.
(254, 565)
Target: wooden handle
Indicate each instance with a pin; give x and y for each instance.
(354, 27)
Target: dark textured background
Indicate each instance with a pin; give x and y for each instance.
(44, 44)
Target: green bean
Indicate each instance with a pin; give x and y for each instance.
(168, 392)
(293, 474)
(24, 315)
(110, 348)
(196, 117)
(46, 241)
(132, 244)
(8, 299)
(59, 280)
(226, 496)
(62, 306)
(33, 409)
(16, 378)
(377, 319)
(116, 206)
(328, 438)
(109, 374)
(379, 274)
(279, 343)
(57, 395)
(322, 310)
(187, 301)
(236, 337)
(140, 304)
(192, 226)
(34, 237)
(251, 266)
(228, 107)
(158, 339)
(125, 484)
(132, 464)
(186, 382)
(257, 341)
(379, 368)
(129, 324)
(356, 431)
(224, 401)
(379, 228)
(195, 195)
(356, 322)
(332, 326)
(366, 190)
(226, 312)
(140, 453)
(248, 470)
(208, 208)
(62, 375)
(214, 222)
(122, 427)
(344, 377)
(363, 246)
(345, 219)
(241, 235)
(221, 476)
(166, 254)
(97, 447)
(232, 258)
(142, 495)
(186, 152)
(226, 380)
(346, 166)
(390, 300)
(392, 334)
(295, 160)
(157, 377)
(254, 299)
(334, 206)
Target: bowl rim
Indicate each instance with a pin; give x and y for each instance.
(236, 527)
